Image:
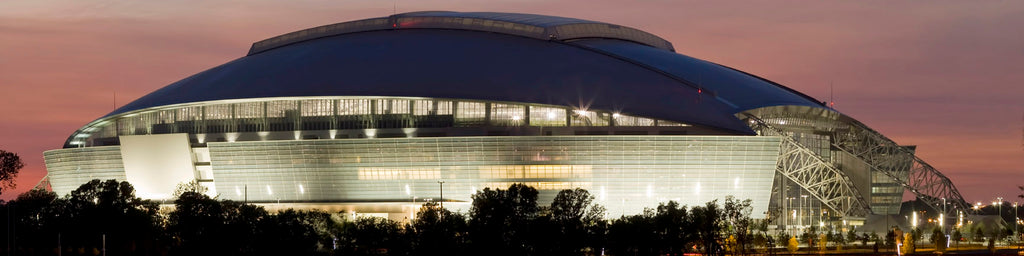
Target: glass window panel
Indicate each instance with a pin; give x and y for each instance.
(189, 114)
(320, 107)
(624, 120)
(165, 116)
(545, 116)
(444, 107)
(670, 123)
(281, 108)
(354, 107)
(423, 107)
(249, 110)
(507, 114)
(221, 111)
(470, 112)
(589, 118)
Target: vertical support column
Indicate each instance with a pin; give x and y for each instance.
(455, 113)
(297, 122)
(487, 113)
(526, 115)
(335, 104)
(263, 118)
(568, 117)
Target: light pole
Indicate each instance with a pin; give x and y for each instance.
(784, 212)
(789, 200)
(441, 184)
(803, 202)
(942, 221)
(1000, 200)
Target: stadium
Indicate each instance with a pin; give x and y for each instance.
(380, 115)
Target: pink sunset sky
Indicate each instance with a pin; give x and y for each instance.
(942, 75)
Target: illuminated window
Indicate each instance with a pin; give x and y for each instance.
(507, 114)
(470, 112)
(444, 107)
(165, 116)
(249, 110)
(353, 107)
(423, 107)
(589, 118)
(189, 114)
(624, 120)
(670, 123)
(281, 108)
(222, 111)
(392, 106)
(399, 174)
(545, 116)
(317, 107)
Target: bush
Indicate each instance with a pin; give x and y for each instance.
(908, 244)
(793, 244)
(940, 241)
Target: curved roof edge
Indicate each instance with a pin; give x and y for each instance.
(528, 25)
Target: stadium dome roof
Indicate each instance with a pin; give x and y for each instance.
(487, 56)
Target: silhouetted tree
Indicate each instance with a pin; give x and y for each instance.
(708, 224)
(957, 236)
(500, 220)
(571, 213)
(191, 186)
(736, 216)
(33, 220)
(631, 235)
(110, 209)
(939, 240)
(197, 224)
(673, 227)
(437, 231)
(242, 226)
(781, 238)
(10, 164)
(597, 229)
(375, 236)
(295, 232)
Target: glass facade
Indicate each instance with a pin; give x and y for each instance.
(625, 173)
(343, 113)
(70, 168)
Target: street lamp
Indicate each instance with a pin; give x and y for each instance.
(1015, 221)
(785, 209)
(1000, 199)
(913, 220)
(942, 216)
(789, 200)
(441, 185)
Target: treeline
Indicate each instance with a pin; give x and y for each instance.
(107, 214)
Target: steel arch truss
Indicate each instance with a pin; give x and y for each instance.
(885, 156)
(44, 183)
(819, 177)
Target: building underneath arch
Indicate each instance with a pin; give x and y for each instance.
(371, 115)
